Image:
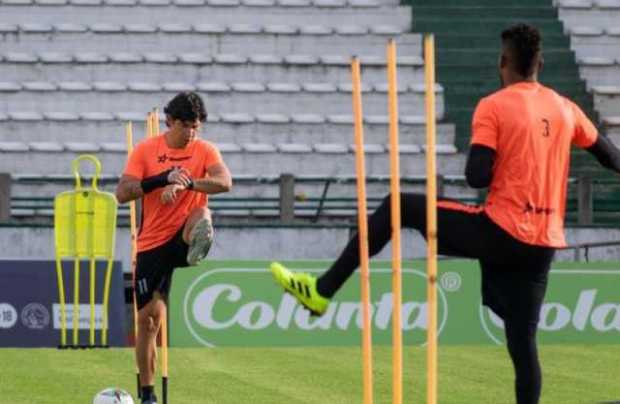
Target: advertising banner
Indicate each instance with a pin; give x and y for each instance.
(231, 303)
(30, 309)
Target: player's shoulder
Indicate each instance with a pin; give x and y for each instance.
(497, 96)
(488, 102)
(146, 144)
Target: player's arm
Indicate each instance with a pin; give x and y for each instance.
(588, 138)
(479, 167)
(607, 154)
(217, 180)
(481, 158)
(130, 188)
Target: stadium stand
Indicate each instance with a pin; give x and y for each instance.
(275, 74)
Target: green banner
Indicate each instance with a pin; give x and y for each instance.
(236, 303)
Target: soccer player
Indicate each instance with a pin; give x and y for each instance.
(520, 150)
(172, 173)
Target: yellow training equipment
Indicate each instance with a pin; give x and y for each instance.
(84, 228)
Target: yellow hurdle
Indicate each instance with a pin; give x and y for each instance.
(397, 336)
(431, 219)
(362, 216)
(84, 228)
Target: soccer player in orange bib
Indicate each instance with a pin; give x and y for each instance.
(172, 173)
(520, 150)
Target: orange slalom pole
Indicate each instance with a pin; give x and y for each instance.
(154, 116)
(149, 125)
(362, 216)
(156, 128)
(431, 219)
(164, 355)
(397, 336)
(134, 249)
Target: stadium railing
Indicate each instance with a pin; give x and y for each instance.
(591, 201)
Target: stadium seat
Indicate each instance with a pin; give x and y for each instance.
(113, 147)
(369, 148)
(330, 148)
(212, 87)
(160, 57)
(258, 148)
(91, 57)
(294, 148)
(272, 118)
(140, 28)
(36, 28)
(195, 58)
(20, 57)
(106, 28)
(74, 86)
(82, 147)
(61, 116)
(125, 57)
(13, 147)
(206, 28)
(7, 86)
(70, 28)
(319, 87)
(47, 147)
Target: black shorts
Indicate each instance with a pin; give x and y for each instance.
(514, 274)
(154, 268)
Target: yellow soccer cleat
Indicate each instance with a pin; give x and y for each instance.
(302, 286)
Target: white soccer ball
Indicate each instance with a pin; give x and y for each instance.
(113, 396)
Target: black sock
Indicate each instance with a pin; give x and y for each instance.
(379, 232)
(413, 215)
(148, 392)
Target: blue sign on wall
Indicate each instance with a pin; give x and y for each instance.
(30, 309)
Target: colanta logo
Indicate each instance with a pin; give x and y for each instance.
(572, 313)
(223, 302)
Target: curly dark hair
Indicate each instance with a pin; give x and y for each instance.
(186, 106)
(525, 43)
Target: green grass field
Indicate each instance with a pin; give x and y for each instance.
(468, 375)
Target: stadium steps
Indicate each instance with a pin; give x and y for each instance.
(246, 97)
(226, 128)
(595, 37)
(229, 38)
(468, 43)
(327, 159)
(200, 67)
(107, 15)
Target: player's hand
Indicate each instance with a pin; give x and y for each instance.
(180, 176)
(170, 193)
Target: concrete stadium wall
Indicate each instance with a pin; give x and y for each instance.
(248, 243)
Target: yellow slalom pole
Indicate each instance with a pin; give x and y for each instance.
(134, 249)
(362, 217)
(133, 231)
(106, 298)
(431, 219)
(92, 301)
(156, 128)
(164, 355)
(149, 125)
(76, 300)
(397, 336)
(164, 320)
(63, 308)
